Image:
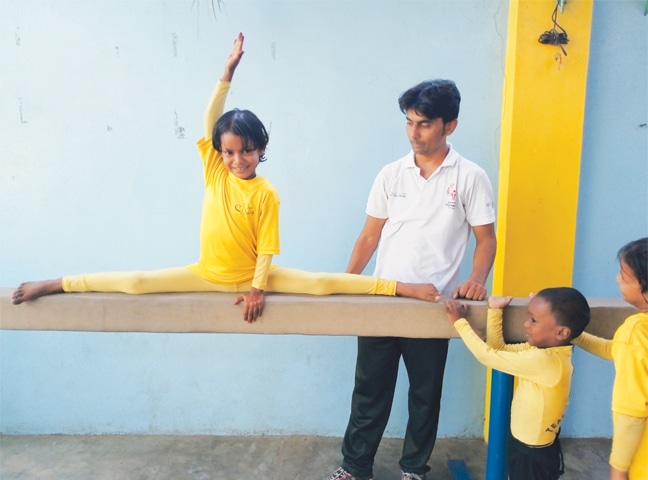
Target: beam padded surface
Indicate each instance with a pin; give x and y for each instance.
(284, 314)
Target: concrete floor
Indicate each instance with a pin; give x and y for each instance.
(131, 457)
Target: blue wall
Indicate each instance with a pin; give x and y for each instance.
(613, 197)
(100, 105)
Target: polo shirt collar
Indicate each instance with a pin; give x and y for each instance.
(449, 161)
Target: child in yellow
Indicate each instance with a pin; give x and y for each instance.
(239, 231)
(542, 367)
(629, 350)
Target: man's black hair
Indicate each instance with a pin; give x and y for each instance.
(432, 99)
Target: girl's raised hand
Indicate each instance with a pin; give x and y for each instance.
(233, 58)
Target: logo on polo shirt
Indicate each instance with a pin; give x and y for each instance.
(397, 195)
(451, 193)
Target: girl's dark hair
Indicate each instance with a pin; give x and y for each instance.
(244, 124)
(569, 306)
(635, 256)
(432, 99)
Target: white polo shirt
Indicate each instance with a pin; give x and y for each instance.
(428, 220)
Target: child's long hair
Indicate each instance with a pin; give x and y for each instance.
(244, 124)
(635, 256)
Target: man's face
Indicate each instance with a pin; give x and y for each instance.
(427, 136)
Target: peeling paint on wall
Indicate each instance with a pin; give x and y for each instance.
(179, 130)
(20, 111)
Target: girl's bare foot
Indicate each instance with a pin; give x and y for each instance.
(422, 291)
(32, 290)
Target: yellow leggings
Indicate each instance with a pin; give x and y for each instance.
(181, 279)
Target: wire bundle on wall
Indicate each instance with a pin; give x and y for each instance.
(553, 36)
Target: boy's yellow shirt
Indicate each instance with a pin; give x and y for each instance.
(544, 379)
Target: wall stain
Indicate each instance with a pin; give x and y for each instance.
(17, 36)
(117, 50)
(109, 128)
(219, 3)
(20, 110)
(195, 2)
(174, 37)
(179, 130)
(273, 50)
(214, 4)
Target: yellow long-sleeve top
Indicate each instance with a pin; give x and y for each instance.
(629, 350)
(240, 218)
(544, 379)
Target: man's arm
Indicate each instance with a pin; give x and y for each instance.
(483, 258)
(366, 244)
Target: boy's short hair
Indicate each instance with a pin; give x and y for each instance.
(432, 99)
(244, 124)
(635, 256)
(569, 307)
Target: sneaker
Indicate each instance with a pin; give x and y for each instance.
(413, 476)
(342, 474)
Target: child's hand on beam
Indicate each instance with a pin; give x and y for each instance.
(455, 310)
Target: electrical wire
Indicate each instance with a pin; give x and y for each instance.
(553, 36)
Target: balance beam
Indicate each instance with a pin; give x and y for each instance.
(350, 315)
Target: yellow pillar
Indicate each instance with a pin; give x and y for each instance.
(540, 149)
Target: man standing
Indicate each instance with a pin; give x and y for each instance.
(420, 213)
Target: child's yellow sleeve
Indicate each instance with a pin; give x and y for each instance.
(215, 107)
(598, 346)
(625, 439)
(260, 280)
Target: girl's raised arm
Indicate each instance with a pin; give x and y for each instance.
(233, 58)
(216, 102)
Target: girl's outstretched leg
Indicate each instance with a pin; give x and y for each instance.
(32, 290)
(290, 280)
(422, 291)
(177, 279)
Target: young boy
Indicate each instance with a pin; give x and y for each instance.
(543, 368)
